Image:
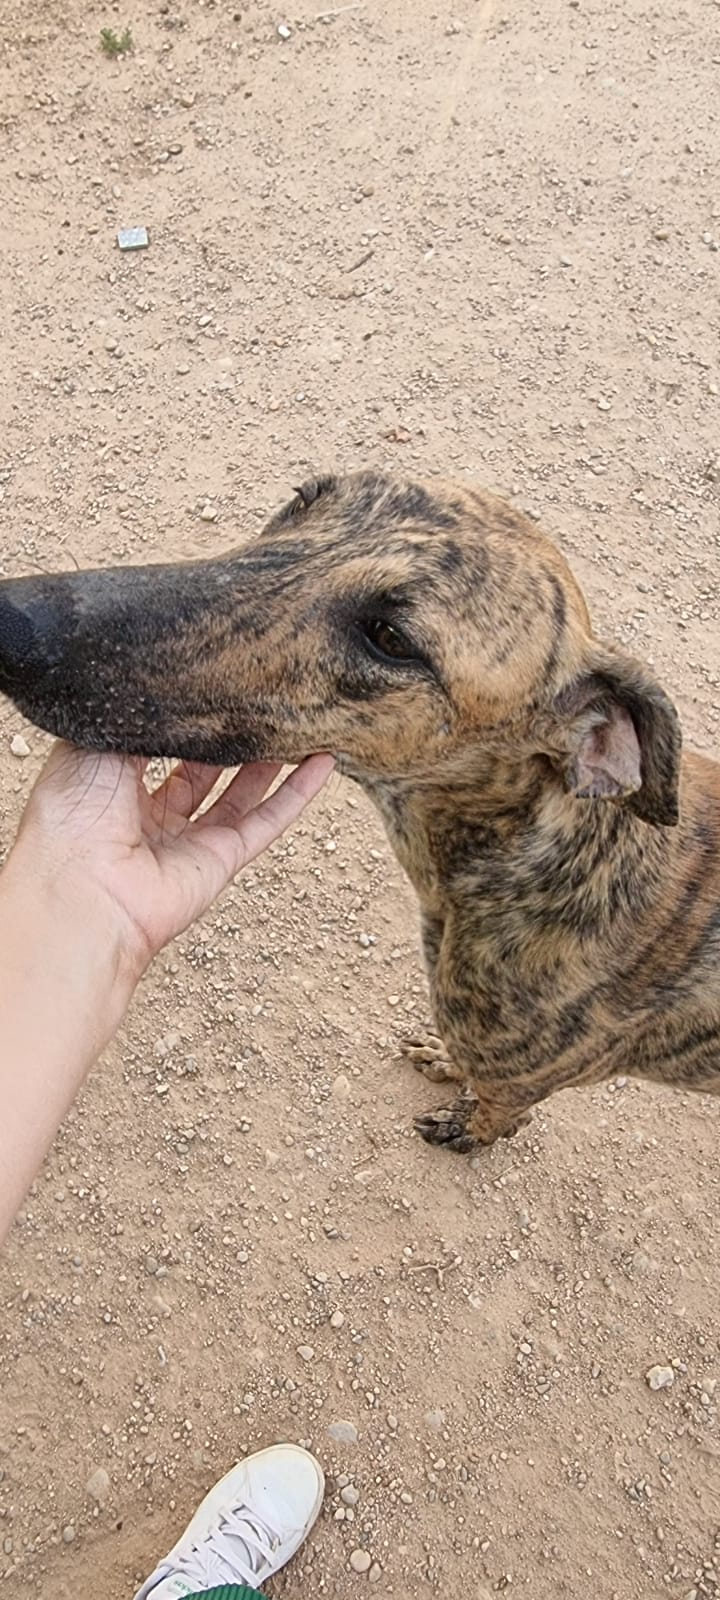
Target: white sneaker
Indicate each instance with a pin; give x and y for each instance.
(246, 1528)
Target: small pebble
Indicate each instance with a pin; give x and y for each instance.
(350, 1495)
(343, 1432)
(337, 1319)
(660, 1378)
(208, 514)
(68, 1534)
(375, 1572)
(133, 238)
(360, 1561)
(19, 747)
(284, 31)
(98, 1486)
(306, 1352)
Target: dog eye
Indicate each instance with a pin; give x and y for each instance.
(386, 641)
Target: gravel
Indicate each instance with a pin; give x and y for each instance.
(343, 1432)
(660, 1378)
(98, 1486)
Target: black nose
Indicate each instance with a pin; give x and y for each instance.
(28, 637)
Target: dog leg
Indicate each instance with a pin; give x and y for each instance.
(472, 1122)
(428, 1055)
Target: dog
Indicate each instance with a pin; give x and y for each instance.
(529, 776)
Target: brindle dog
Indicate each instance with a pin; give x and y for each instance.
(528, 775)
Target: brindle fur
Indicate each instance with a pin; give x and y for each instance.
(528, 775)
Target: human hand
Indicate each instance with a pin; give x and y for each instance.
(92, 831)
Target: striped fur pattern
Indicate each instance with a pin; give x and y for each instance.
(529, 775)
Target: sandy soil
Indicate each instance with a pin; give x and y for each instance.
(478, 240)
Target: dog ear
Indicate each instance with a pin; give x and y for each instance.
(307, 493)
(621, 738)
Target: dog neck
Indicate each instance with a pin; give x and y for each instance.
(516, 837)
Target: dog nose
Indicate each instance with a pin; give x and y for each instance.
(28, 637)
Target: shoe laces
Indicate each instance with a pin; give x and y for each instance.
(240, 1545)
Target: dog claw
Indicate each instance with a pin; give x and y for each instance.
(436, 1071)
(422, 1047)
(446, 1126)
(428, 1056)
(521, 1121)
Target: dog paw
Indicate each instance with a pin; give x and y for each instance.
(428, 1056)
(448, 1126)
(521, 1121)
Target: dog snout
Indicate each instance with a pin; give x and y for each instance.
(30, 634)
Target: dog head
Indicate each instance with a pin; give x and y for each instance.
(401, 626)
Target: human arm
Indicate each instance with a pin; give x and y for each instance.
(101, 876)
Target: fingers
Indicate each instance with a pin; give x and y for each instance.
(310, 777)
(260, 824)
(184, 790)
(242, 795)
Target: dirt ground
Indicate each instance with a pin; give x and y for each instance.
(477, 239)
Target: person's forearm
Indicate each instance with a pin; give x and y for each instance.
(65, 984)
